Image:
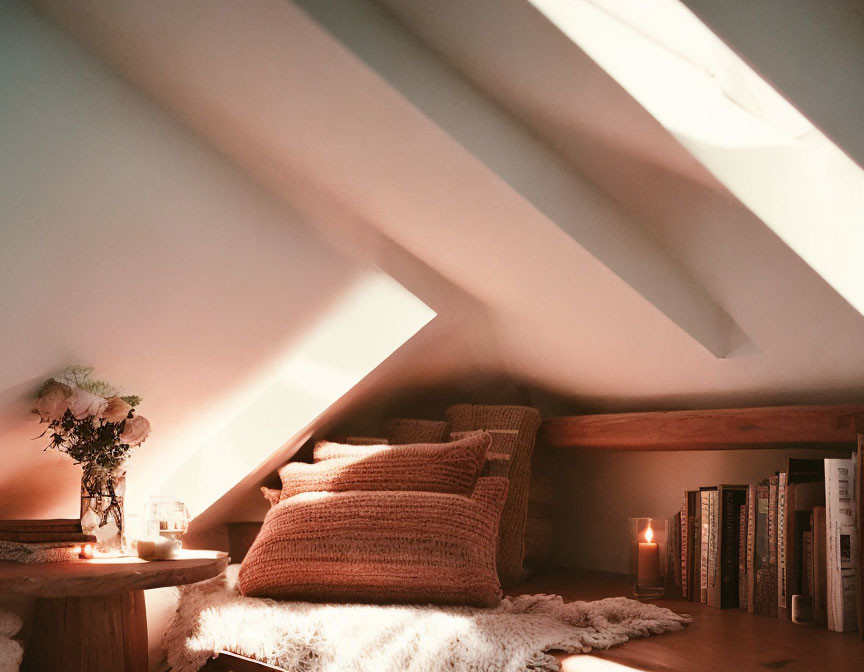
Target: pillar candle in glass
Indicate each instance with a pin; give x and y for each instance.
(648, 538)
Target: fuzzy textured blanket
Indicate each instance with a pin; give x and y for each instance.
(308, 637)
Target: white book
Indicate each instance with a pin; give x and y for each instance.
(841, 543)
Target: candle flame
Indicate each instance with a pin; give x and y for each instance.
(649, 535)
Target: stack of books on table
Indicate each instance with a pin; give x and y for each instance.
(791, 539)
(41, 540)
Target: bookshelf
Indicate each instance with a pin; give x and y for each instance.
(611, 466)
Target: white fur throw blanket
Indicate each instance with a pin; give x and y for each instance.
(307, 637)
(11, 651)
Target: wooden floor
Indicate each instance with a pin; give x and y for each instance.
(718, 640)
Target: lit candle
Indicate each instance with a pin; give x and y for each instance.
(85, 552)
(649, 561)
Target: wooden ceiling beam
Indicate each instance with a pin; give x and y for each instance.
(725, 429)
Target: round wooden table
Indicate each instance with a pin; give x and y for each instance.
(90, 614)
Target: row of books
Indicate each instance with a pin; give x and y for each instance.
(790, 540)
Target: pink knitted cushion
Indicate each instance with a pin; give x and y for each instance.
(447, 467)
(272, 495)
(328, 450)
(388, 546)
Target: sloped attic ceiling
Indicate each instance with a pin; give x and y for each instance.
(564, 319)
(496, 194)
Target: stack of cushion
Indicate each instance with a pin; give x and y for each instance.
(376, 523)
(514, 431)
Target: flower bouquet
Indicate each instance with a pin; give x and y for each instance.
(97, 427)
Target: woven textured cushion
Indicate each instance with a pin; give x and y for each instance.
(328, 450)
(389, 546)
(445, 467)
(410, 430)
(514, 430)
(272, 495)
(366, 440)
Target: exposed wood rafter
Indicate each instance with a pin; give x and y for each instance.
(726, 429)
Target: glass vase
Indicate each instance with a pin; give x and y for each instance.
(102, 495)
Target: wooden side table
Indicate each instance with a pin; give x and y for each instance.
(90, 614)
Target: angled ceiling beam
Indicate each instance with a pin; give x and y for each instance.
(528, 165)
(272, 90)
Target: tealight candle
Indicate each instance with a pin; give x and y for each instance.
(84, 552)
(157, 548)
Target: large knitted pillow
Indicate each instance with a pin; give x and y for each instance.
(328, 450)
(447, 467)
(514, 430)
(389, 546)
(411, 430)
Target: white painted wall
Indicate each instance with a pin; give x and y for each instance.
(128, 245)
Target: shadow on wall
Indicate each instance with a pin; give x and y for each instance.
(57, 480)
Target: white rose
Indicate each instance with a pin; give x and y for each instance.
(54, 401)
(135, 430)
(84, 404)
(116, 411)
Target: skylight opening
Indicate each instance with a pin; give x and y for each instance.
(771, 157)
(371, 320)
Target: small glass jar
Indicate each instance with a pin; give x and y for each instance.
(166, 516)
(648, 538)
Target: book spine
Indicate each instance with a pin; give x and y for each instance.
(57, 525)
(782, 512)
(673, 558)
(820, 567)
(730, 500)
(859, 520)
(840, 532)
(772, 542)
(807, 563)
(696, 563)
(715, 559)
(43, 537)
(685, 534)
(751, 549)
(742, 557)
(763, 554)
(704, 545)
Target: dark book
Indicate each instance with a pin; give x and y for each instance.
(772, 541)
(762, 553)
(820, 567)
(807, 563)
(690, 547)
(785, 492)
(859, 513)
(673, 558)
(49, 525)
(742, 557)
(682, 546)
(43, 537)
(729, 500)
(805, 489)
(750, 559)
